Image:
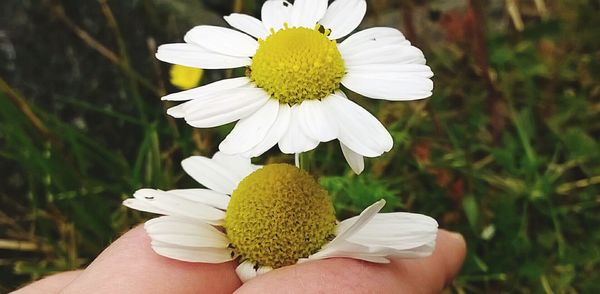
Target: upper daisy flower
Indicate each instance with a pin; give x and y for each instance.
(291, 93)
(270, 217)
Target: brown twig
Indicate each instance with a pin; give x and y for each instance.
(58, 12)
(24, 107)
(123, 56)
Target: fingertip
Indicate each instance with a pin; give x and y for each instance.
(452, 250)
(431, 274)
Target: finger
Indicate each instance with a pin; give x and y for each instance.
(51, 284)
(130, 265)
(432, 274)
(342, 275)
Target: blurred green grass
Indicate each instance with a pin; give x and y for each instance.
(506, 151)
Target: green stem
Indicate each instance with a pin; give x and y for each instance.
(301, 160)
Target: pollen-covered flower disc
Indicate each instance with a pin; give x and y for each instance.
(279, 206)
(269, 217)
(291, 94)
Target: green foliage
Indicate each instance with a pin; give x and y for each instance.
(508, 156)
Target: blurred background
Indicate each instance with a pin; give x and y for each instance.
(506, 151)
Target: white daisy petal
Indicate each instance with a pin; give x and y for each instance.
(192, 254)
(246, 271)
(399, 70)
(204, 101)
(206, 196)
(355, 160)
(339, 245)
(316, 122)
(275, 133)
(250, 131)
(184, 232)
(171, 204)
(343, 16)
(367, 38)
(142, 205)
(350, 250)
(295, 140)
(359, 130)
(247, 24)
(241, 166)
(196, 56)
(378, 237)
(386, 54)
(307, 13)
(211, 174)
(208, 90)
(230, 106)
(356, 223)
(399, 230)
(263, 270)
(274, 13)
(395, 81)
(389, 87)
(222, 40)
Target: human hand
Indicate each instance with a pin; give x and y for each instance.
(130, 266)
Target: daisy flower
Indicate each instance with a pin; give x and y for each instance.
(291, 94)
(269, 217)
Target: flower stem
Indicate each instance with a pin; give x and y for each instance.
(301, 161)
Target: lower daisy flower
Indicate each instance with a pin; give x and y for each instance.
(269, 217)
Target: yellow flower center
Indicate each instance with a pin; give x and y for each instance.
(296, 64)
(277, 215)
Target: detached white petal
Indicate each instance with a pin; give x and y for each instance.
(343, 16)
(355, 160)
(199, 57)
(222, 40)
(274, 13)
(307, 13)
(208, 90)
(247, 24)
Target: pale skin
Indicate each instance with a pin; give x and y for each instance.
(130, 266)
